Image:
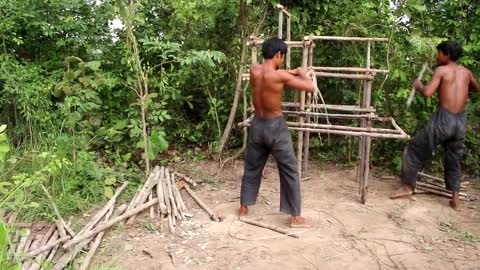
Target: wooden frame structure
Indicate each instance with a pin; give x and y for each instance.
(304, 111)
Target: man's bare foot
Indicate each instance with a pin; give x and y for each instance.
(455, 201)
(243, 211)
(403, 191)
(300, 222)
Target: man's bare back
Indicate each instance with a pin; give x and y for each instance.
(447, 126)
(268, 84)
(453, 82)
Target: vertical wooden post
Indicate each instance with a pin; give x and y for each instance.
(245, 109)
(254, 53)
(367, 93)
(306, 145)
(289, 38)
(280, 24)
(302, 109)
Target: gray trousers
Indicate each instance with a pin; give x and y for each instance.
(267, 137)
(446, 129)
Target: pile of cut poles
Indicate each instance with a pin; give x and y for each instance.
(434, 185)
(160, 194)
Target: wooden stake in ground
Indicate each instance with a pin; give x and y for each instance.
(57, 213)
(201, 203)
(267, 226)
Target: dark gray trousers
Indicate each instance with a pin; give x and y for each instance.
(446, 129)
(267, 137)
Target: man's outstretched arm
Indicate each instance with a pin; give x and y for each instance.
(431, 87)
(298, 79)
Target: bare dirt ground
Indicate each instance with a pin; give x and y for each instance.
(384, 234)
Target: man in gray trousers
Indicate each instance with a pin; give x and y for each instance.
(268, 133)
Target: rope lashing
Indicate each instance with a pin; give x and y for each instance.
(317, 94)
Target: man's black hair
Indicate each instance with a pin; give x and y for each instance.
(451, 48)
(272, 47)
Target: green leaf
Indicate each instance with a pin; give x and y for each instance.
(4, 148)
(2, 128)
(34, 205)
(108, 192)
(110, 181)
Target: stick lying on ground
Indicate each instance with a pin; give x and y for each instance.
(110, 223)
(270, 227)
(186, 179)
(57, 213)
(200, 202)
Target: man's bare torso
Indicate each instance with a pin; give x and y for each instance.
(454, 86)
(267, 91)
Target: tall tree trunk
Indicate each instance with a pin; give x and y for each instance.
(238, 86)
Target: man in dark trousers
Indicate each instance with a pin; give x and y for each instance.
(446, 127)
(269, 134)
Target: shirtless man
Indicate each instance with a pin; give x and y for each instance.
(269, 134)
(446, 127)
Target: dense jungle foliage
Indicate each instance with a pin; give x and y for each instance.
(72, 92)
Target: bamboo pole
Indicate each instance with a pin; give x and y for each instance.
(306, 145)
(34, 253)
(330, 107)
(167, 202)
(344, 75)
(282, 9)
(23, 241)
(368, 140)
(197, 199)
(290, 44)
(176, 194)
(371, 134)
(54, 249)
(146, 190)
(186, 179)
(302, 108)
(104, 210)
(104, 226)
(37, 263)
(57, 213)
(280, 24)
(162, 208)
(72, 254)
(254, 58)
(289, 38)
(267, 226)
(96, 243)
(175, 213)
(441, 193)
(412, 92)
(348, 128)
(369, 39)
(332, 115)
(351, 69)
(442, 189)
